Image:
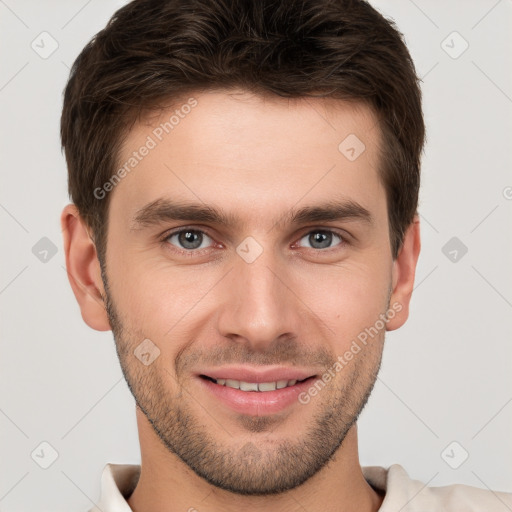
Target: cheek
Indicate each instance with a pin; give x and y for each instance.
(159, 300)
(348, 298)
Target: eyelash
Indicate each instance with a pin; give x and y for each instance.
(194, 252)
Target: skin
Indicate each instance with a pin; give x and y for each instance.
(296, 305)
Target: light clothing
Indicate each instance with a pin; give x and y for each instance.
(402, 493)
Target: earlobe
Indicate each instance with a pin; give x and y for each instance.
(404, 270)
(83, 269)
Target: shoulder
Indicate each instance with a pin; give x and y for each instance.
(117, 483)
(408, 495)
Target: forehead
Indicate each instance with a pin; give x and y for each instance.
(248, 152)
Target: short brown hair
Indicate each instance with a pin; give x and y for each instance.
(159, 50)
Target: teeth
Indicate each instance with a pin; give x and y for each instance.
(253, 386)
(267, 386)
(248, 386)
(230, 383)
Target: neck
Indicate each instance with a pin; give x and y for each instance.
(166, 484)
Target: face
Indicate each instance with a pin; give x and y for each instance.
(246, 250)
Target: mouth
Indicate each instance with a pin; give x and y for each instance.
(262, 387)
(254, 392)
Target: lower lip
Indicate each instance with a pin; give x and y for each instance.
(257, 403)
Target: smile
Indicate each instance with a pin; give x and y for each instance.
(254, 392)
(254, 386)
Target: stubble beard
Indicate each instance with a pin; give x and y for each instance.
(265, 466)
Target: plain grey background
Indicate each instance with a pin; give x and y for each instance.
(444, 391)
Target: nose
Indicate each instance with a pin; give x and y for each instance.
(260, 306)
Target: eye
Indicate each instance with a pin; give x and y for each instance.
(322, 239)
(188, 239)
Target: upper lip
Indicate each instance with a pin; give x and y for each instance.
(257, 375)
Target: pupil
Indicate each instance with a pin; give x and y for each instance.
(322, 238)
(189, 239)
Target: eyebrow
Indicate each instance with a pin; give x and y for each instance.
(166, 210)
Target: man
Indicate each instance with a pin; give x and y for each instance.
(245, 179)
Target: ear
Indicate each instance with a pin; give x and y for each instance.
(83, 269)
(404, 270)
